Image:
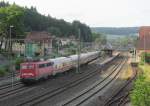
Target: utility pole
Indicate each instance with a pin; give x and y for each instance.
(10, 57)
(79, 50)
(58, 46)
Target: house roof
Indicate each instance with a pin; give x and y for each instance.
(38, 36)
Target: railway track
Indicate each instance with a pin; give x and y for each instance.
(8, 90)
(120, 100)
(9, 76)
(51, 93)
(9, 85)
(94, 89)
(12, 92)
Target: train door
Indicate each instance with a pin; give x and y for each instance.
(37, 71)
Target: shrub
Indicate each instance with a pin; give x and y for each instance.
(17, 62)
(37, 54)
(145, 57)
(140, 96)
(3, 71)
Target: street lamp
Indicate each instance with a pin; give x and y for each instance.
(10, 30)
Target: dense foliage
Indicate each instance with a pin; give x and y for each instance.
(11, 15)
(3, 70)
(99, 38)
(140, 96)
(28, 19)
(145, 57)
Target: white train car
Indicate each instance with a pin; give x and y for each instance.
(62, 64)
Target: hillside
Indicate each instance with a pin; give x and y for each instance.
(26, 19)
(116, 31)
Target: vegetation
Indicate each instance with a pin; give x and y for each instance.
(116, 31)
(17, 62)
(10, 15)
(140, 96)
(99, 38)
(145, 57)
(4, 70)
(28, 19)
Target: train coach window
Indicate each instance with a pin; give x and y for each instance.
(49, 64)
(41, 65)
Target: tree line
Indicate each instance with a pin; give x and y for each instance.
(116, 31)
(26, 19)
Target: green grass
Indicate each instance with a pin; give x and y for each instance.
(4, 70)
(140, 96)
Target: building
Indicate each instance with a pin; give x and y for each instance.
(108, 49)
(143, 44)
(70, 39)
(38, 43)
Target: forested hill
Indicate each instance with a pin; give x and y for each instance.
(116, 31)
(29, 19)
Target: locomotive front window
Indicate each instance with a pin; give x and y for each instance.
(27, 66)
(23, 67)
(30, 67)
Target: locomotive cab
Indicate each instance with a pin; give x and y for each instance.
(28, 72)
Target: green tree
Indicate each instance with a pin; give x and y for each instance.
(99, 38)
(11, 15)
(28, 19)
(4, 4)
(54, 30)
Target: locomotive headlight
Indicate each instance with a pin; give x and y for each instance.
(28, 74)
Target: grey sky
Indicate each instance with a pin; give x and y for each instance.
(103, 13)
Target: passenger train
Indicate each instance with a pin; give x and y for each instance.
(34, 70)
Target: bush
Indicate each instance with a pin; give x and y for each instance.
(18, 61)
(37, 54)
(145, 57)
(3, 70)
(140, 96)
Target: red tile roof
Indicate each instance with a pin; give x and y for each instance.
(38, 36)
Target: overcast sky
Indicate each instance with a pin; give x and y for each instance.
(96, 13)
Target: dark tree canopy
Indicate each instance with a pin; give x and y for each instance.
(4, 4)
(31, 20)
